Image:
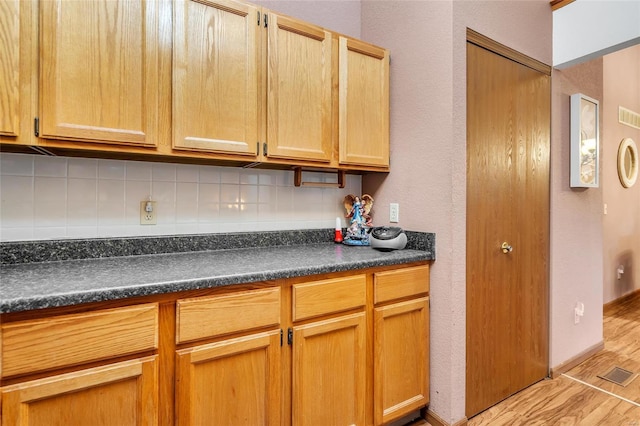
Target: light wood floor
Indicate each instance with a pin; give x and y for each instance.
(579, 397)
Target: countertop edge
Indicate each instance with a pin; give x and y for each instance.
(35, 302)
(54, 273)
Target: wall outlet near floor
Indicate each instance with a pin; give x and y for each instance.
(578, 312)
(148, 214)
(394, 212)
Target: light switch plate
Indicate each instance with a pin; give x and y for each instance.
(394, 212)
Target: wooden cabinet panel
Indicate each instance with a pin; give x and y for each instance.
(363, 103)
(215, 77)
(203, 317)
(99, 71)
(96, 75)
(400, 283)
(18, 81)
(9, 67)
(28, 346)
(123, 394)
(343, 367)
(401, 359)
(316, 298)
(233, 382)
(299, 90)
(329, 372)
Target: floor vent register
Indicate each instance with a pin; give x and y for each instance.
(619, 376)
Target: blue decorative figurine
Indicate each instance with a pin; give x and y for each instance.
(358, 212)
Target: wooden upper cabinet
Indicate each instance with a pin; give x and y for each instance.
(215, 77)
(10, 67)
(99, 71)
(299, 90)
(246, 84)
(363, 104)
(18, 20)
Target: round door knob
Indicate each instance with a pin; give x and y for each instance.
(506, 248)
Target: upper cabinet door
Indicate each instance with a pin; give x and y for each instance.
(215, 77)
(18, 79)
(363, 104)
(299, 90)
(9, 67)
(99, 71)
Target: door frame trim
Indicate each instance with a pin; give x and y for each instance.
(507, 52)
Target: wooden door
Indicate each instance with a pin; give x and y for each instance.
(122, 394)
(299, 90)
(215, 77)
(329, 372)
(401, 359)
(233, 382)
(508, 125)
(99, 71)
(363, 104)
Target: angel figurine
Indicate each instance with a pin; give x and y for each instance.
(359, 215)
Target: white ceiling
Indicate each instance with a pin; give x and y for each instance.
(587, 29)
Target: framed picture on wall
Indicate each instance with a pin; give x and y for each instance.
(585, 141)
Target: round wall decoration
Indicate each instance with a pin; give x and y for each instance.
(628, 162)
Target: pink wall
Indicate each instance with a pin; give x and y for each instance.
(576, 226)
(427, 171)
(621, 225)
(427, 40)
(342, 16)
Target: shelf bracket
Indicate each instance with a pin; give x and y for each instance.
(297, 180)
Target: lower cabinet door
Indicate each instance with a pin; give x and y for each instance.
(401, 359)
(232, 382)
(120, 394)
(329, 372)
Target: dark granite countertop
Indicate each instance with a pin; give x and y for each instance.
(108, 276)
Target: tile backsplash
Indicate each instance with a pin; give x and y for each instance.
(62, 197)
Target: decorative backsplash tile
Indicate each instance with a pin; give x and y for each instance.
(59, 197)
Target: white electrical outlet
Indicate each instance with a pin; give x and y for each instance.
(148, 213)
(394, 212)
(578, 312)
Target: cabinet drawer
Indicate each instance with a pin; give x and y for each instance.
(203, 317)
(400, 283)
(324, 297)
(44, 344)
